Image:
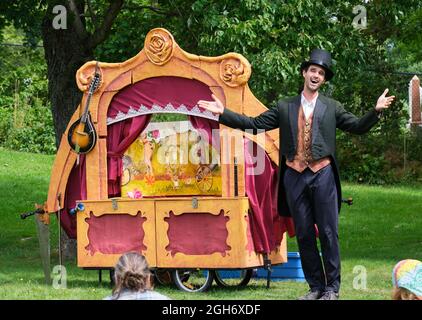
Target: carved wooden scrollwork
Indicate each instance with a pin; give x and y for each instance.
(159, 45)
(234, 72)
(85, 74)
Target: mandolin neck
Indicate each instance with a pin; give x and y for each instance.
(84, 117)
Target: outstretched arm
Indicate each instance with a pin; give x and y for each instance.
(267, 120)
(384, 101)
(349, 122)
(215, 106)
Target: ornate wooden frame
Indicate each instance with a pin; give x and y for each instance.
(225, 75)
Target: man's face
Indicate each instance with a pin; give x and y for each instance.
(314, 77)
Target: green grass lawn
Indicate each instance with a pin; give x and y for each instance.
(382, 227)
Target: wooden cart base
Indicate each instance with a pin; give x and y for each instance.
(203, 232)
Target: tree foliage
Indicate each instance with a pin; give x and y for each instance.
(275, 36)
(25, 118)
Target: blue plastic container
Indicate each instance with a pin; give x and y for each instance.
(292, 270)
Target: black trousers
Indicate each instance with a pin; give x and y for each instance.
(312, 199)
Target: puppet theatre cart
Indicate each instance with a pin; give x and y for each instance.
(161, 176)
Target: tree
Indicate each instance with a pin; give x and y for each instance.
(66, 48)
(26, 123)
(275, 36)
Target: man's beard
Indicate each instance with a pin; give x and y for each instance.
(312, 88)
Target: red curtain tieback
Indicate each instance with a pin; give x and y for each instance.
(114, 155)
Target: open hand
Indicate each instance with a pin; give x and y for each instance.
(383, 101)
(215, 106)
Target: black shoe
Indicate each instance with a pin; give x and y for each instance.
(330, 295)
(311, 295)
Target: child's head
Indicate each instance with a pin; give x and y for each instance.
(132, 273)
(407, 280)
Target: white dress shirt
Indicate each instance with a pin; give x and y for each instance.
(308, 106)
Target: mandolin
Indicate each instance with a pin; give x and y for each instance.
(82, 136)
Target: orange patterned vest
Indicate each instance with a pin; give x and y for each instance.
(303, 158)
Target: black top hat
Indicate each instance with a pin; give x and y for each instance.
(321, 58)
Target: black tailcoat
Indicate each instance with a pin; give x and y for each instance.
(328, 115)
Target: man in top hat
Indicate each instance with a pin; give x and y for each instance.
(309, 190)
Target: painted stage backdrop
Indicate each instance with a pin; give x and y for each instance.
(171, 159)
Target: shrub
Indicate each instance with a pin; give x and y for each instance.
(30, 129)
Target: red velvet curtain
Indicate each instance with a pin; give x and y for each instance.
(120, 136)
(75, 191)
(267, 226)
(160, 94)
(210, 128)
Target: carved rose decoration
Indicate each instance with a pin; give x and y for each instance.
(233, 72)
(159, 47)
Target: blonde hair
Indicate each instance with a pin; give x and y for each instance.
(403, 294)
(132, 273)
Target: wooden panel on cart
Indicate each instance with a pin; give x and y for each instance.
(188, 232)
(206, 233)
(107, 229)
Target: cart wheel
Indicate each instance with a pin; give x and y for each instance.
(232, 278)
(193, 280)
(163, 276)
